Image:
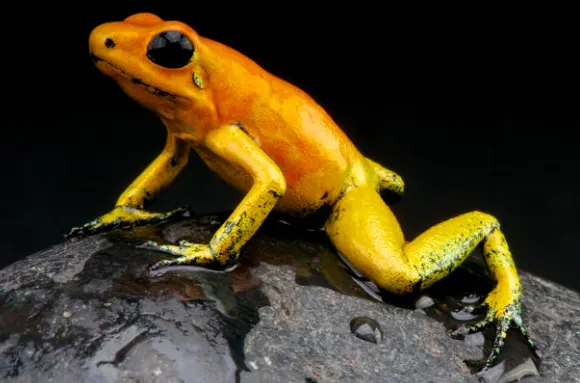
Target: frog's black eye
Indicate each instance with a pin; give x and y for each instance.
(170, 49)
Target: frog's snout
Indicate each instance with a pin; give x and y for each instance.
(100, 39)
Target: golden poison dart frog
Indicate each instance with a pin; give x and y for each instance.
(282, 150)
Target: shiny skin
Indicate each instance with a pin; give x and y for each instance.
(281, 149)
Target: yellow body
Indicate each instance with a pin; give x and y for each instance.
(281, 149)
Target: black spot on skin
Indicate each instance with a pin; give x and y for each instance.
(148, 200)
(109, 43)
(345, 189)
(173, 162)
(333, 216)
(324, 196)
(227, 255)
(275, 194)
(243, 217)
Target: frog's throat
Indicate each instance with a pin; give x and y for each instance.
(137, 81)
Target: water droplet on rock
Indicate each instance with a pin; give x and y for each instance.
(470, 299)
(366, 329)
(462, 314)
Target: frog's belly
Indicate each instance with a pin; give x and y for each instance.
(306, 192)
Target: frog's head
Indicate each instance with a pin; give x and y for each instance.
(154, 61)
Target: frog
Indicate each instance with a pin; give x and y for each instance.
(284, 153)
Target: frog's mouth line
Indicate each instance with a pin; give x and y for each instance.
(137, 81)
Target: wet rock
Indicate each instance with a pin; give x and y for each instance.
(89, 311)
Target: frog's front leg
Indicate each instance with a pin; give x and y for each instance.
(238, 149)
(128, 211)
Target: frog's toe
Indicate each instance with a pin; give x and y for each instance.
(518, 322)
(509, 317)
(460, 331)
(91, 228)
(168, 249)
(502, 326)
(168, 262)
(173, 215)
(74, 232)
(185, 253)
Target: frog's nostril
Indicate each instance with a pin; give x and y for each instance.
(109, 43)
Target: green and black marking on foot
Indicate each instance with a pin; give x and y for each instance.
(511, 318)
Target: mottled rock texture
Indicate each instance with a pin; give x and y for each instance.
(89, 311)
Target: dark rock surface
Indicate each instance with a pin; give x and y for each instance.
(88, 311)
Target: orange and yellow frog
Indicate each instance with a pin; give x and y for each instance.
(280, 148)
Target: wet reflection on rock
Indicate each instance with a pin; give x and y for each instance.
(316, 263)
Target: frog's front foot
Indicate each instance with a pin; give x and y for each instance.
(125, 217)
(504, 317)
(186, 253)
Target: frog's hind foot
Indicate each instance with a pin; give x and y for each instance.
(504, 319)
(126, 218)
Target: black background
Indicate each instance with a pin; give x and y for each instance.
(475, 108)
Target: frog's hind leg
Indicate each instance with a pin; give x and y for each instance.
(387, 180)
(364, 229)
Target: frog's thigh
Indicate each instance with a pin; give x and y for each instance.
(365, 230)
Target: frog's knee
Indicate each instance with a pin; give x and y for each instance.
(396, 277)
(485, 220)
